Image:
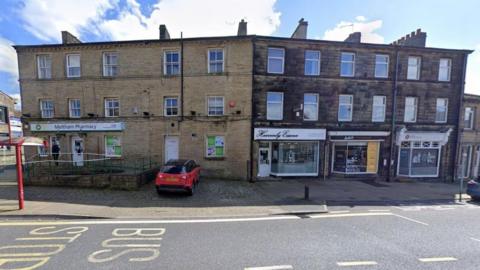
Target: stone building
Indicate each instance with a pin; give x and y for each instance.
(352, 109)
(142, 99)
(469, 153)
(7, 110)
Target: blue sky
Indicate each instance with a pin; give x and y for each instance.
(448, 23)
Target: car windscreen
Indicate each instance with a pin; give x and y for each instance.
(173, 169)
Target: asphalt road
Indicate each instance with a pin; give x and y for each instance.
(410, 237)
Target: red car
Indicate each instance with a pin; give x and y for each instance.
(178, 174)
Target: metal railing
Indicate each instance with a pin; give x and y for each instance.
(91, 164)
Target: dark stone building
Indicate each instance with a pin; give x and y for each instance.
(352, 109)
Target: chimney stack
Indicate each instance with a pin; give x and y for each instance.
(242, 28)
(414, 39)
(163, 32)
(68, 38)
(301, 30)
(355, 37)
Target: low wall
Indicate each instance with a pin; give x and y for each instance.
(112, 181)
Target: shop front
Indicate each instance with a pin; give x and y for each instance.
(288, 152)
(356, 152)
(419, 152)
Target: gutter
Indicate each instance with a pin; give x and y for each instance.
(251, 178)
(181, 77)
(457, 148)
(394, 116)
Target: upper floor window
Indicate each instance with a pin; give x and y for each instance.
(170, 106)
(215, 61)
(112, 107)
(171, 63)
(44, 66)
(378, 109)
(110, 64)
(46, 108)
(444, 68)
(312, 62)
(73, 65)
(468, 119)
(74, 108)
(274, 106)
(215, 106)
(276, 58)
(381, 66)
(347, 64)
(3, 114)
(410, 109)
(414, 66)
(442, 110)
(345, 107)
(310, 107)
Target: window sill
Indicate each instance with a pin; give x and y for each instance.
(214, 158)
(171, 75)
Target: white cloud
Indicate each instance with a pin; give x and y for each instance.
(473, 72)
(344, 28)
(8, 57)
(193, 17)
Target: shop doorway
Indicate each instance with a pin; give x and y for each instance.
(77, 151)
(264, 165)
(171, 147)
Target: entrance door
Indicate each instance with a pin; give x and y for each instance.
(477, 163)
(77, 151)
(263, 162)
(171, 147)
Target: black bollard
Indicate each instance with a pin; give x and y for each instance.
(307, 193)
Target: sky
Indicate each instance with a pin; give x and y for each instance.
(448, 23)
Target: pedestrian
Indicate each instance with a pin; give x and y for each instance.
(55, 152)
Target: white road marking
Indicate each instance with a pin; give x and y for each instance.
(339, 212)
(411, 219)
(357, 263)
(274, 267)
(173, 221)
(378, 210)
(351, 215)
(438, 259)
(475, 239)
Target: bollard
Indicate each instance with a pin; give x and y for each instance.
(307, 193)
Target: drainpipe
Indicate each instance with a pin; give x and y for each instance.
(460, 109)
(251, 178)
(181, 76)
(394, 116)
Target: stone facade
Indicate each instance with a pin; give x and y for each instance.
(469, 153)
(141, 87)
(363, 85)
(8, 103)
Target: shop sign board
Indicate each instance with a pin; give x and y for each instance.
(293, 134)
(77, 126)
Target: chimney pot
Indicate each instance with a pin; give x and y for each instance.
(68, 38)
(301, 30)
(355, 37)
(163, 32)
(242, 28)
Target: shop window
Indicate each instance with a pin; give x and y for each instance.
(345, 107)
(113, 146)
(44, 66)
(274, 106)
(441, 111)
(276, 57)
(312, 63)
(215, 61)
(294, 158)
(110, 64)
(419, 159)
(355, 157)
(215, 146)
(171, 63)
(378, 108)
(310, 107)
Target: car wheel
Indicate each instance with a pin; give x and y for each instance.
(159, 192)
(191, 191)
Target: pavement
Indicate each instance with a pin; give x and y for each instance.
(220, 198)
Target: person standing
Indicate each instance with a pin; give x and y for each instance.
(55, 152)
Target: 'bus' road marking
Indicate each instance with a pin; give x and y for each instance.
(438, 259)
(411, 219)
(357, 263)
(173, 221)
(274, 267)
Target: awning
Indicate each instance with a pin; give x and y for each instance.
(359, 133)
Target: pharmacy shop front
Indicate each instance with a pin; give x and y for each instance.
(288, 151)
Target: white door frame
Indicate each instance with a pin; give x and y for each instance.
(269, 149)
(166, 148)
(77, 158)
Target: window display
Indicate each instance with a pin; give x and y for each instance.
(419, 159)
(290, 158)
(355, 157)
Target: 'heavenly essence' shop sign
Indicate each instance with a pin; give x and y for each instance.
(79, 126)
(293, 134)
